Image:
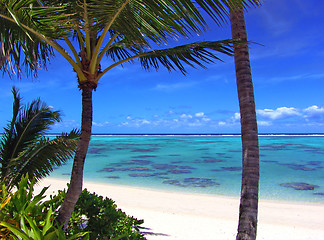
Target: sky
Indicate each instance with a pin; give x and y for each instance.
(287, 61)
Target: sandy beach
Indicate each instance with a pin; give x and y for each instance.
(174, 215)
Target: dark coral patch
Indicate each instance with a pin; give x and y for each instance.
(93, 150)
(235, 151)
(185, 167)
(179, 171)
(144, 156)
(200, 182)
(212, 160)
(174, 155)
(146, 174)
(141, 175)
(299, 186)
(145, 150)
(270, 161)
(176, 162)
(113, 177)
(202, 149)
(164, 166)
(231, 169)
(110, 169)
(142, 162)
(314, 163)
(319, 194)
(297, 166)
(172, 182)
(193, 182)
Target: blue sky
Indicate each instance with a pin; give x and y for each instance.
(287, 70)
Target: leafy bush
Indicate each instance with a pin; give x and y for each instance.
(28, 217)
(102, 219)
(25, 216)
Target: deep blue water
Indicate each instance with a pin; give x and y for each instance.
(207, 164)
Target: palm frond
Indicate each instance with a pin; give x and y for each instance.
(32, 122)
(20, 49)
(41, 157)
(194, 54)
(24, 135)
(6, 146)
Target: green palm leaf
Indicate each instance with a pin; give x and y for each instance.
(193, 54)
(40, 158)
(21, 49)
(23, 149)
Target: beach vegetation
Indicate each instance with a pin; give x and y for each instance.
(26, 216)
(101, 218)
(248, 215)
(23, 146)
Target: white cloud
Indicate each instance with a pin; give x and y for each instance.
(279, 113)
(185, 116)
(236, 118)
(103, 124)
(314, 113)
(264, 123)
(314, 110)
(199, 114)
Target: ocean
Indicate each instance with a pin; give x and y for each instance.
(291, 166)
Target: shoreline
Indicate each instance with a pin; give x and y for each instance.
(204, 216)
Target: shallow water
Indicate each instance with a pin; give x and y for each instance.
(207, 164)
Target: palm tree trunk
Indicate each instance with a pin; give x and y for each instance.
(76, 181)
(247, 226)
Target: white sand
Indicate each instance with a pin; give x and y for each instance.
(169, 215)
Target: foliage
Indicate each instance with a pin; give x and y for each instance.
(24, 149)
(25, 216)
(22, 50)
(121, 30)
(101, 218)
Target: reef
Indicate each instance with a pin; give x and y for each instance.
(111, 169)
(299, 186)
(193, 182)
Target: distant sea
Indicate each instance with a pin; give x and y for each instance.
(291, 165)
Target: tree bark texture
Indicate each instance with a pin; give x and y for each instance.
(76, 181)
(247, 226)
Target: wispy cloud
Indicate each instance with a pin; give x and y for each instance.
(315, 76)
(175, 86)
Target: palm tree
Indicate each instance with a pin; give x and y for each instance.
(124, 31)
(247, 226)
(24, 149)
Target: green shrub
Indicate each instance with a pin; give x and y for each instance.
(25, 216)
(102, 219)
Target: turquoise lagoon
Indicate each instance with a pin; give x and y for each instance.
(207, 164)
